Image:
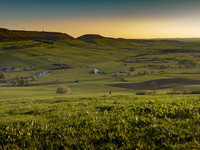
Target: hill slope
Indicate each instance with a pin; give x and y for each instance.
(8, 35)
(36, 35)
(15, 35)
(90, 38)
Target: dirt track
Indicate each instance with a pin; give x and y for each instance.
(160, 83)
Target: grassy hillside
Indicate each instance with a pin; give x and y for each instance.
(70, 60)
(16, 35)
(33, 35)
(8, 35)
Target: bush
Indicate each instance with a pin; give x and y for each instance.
(141, 93)
(195, 92)
(119, 77)
(3, 76)
(62, 89)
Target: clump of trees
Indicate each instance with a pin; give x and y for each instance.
(119, 78)
(143, 73)
(177, 89)
(3, 76)
(63, 89)
(20, 81)
(132, 69)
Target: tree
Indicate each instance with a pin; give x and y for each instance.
(115, 76)
(177, 88)
(17, 78)
(27, 82)
(14, 82)
(3, 76)
(154, 86)
(119, 77)
(21, 82)
(132, 69)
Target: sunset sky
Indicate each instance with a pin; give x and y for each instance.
(113, 18)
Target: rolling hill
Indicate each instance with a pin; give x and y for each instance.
(7, 35)
(17, 35)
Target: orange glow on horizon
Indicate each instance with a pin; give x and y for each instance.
(119, 28)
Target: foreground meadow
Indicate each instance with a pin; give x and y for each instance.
(104, 122)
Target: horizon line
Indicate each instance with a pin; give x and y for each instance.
(156, 38)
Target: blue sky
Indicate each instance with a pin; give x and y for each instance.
(94, 7)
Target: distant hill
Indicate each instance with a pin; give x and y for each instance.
(181, 39)
(124, 43)
(187, 39)
(49, 37)
(8, 35)
(90, 38)
(13, 35)
(36, 35)
(102, 41)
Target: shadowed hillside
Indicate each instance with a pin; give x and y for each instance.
(102, 41)
(8, 35)
(15, 35)
(90, 38)
(35, 35)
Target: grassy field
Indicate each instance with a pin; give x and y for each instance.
(96, 115)
(94, 86)
(104, 122)
(160, 58)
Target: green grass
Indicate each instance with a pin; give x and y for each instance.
(118, 122)
(15, 74)
(105, 56)
(94, 87)
(70, 75)
(17, 44)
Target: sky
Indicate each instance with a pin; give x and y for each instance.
(135, 19)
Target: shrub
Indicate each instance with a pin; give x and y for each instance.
(141, 93)
(119, 77)
(186, 91)
(123, 79)
(177, 88)
(3, 76)
(154, 86)
(132, 69)
(195, 92)
(62, 89)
